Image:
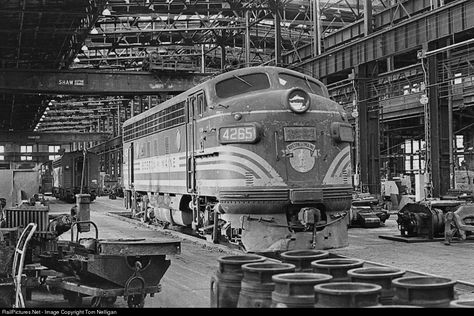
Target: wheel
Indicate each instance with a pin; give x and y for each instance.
(136, 301)
(74, 299)
(96, 301)
(102, 301)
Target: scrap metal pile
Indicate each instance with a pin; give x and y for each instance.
(367, 211)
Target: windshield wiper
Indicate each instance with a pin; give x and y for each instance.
(250, 85)
(307, 83)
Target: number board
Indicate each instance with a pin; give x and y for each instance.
(299, 133)
(238, 134)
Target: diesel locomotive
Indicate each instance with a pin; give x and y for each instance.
(258, 157)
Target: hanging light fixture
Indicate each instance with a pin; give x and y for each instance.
(106, 12)
(94, 31)
(84, 48)
(76, 60)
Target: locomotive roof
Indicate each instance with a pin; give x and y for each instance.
(75, 154)
(272, 70)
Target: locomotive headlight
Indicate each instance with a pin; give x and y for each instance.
(298, 100)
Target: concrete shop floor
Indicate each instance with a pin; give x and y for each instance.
(187, 281)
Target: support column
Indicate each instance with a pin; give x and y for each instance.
(368, 25)
(247, 38)
(223, 55)
(119, 120)
(317, 28)
(439, 129)
(114, 123)
(277, 22)
(132, 108)
(368, 133)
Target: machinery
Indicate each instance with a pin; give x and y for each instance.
(257, 157)
(367, 212)
(138, 267)
(81, 266)
(426, 219)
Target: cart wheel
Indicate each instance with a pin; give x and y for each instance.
(136, 301)
(102, 301)
(42, 280)
(96, 301)
(110, 300)
(75, 299)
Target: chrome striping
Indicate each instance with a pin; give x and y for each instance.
(337, 166)
(265, 112)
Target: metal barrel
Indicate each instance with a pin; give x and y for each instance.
(257, 284)
(296, 290)
(462, 304)
(225, 285)
(425, 291)
(302, 258)
(346, 295)
(337, 267)
(382, 276)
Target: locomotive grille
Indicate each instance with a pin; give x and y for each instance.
(337, 193)
(249, 178)
(254, 195)
(22, 216)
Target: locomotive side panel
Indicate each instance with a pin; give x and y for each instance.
(158, 163)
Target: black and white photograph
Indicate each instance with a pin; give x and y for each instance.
(246, 155)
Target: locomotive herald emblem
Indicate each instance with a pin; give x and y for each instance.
(302, 155)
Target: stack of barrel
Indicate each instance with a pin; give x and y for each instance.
(311, 278)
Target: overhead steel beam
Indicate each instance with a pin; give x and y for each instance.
(442, 22)
(52, 138)
(94, 82)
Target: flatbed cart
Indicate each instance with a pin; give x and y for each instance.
(108, 268)
(103, 295)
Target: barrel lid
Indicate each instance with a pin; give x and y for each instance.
(337, 262)
(268, 266)
(345, 288)
(423, 282)
(376, 272)
(301, 278)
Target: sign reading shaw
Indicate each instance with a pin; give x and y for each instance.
(69, 82)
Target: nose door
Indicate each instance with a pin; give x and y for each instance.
(304, 150)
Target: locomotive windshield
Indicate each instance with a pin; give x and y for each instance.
(242, 84)
(292, 81)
